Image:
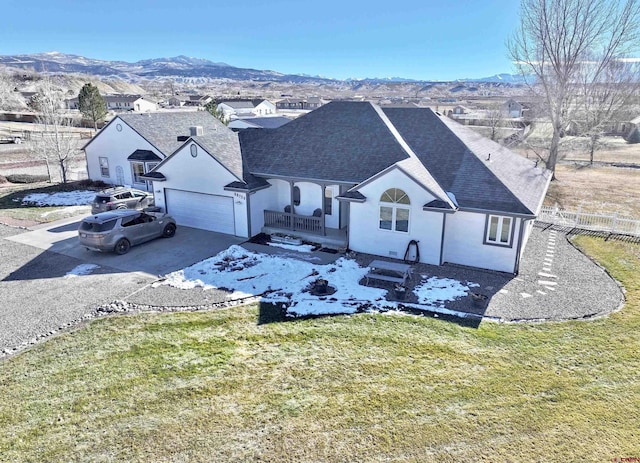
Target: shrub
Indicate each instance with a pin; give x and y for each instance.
(88, 183)
(27, 178)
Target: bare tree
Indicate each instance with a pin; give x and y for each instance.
(55, 143)
(494, 115)
(9, 99)
(600, 102)
(560, 41)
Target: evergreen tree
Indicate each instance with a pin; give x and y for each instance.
(216, 112)
(91, 104)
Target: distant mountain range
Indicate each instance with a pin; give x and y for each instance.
(185, 67)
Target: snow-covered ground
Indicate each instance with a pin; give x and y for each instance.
(287, 280)
(60, 198)
(69, 210)
(82, 269)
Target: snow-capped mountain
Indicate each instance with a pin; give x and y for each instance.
(192, 69)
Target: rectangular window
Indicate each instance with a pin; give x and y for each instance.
(138, 170)
(499, 230)
(104, 167)
(402, 220)
(394, 218)
(386, 217)
(328, 201)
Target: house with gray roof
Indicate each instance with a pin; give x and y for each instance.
(131, 145)
(355, 175)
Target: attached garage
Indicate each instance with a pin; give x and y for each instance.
(198, 210)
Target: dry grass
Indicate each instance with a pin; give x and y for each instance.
(218, 386)
(596, 189)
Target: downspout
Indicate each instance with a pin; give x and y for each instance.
(516, 268)
(322, 218)
(250, 233)
(444, 223)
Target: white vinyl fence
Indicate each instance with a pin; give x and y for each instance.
(609, 223)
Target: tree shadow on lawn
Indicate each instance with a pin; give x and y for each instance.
(276, 313)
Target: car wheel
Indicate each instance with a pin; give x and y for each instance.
(122, 246)
(121, 206)
(169, 230)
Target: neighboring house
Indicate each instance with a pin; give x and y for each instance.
(458, 110)
(272, 122)
(351, 174)
(246, 108)
(197, 100)
(117, 103)
(131, 145)
(512, 108)
(300, 103)
(631, 130)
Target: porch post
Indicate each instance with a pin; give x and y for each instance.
(291, 207)
(322, 222)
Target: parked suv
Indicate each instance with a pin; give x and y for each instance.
(121, 198)
(118, 230)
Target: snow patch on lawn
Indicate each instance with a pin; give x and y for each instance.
(82, 269)
(71, 210)
(286, 280)
(436, 291)
(60, 198)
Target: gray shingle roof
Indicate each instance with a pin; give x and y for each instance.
(162, 129)
(340, 141)
(457, 158)
(223, 145)
(350, 142)
(143, 155)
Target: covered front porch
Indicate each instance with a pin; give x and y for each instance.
(308, 210)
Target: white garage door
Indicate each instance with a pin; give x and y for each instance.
(197, 210)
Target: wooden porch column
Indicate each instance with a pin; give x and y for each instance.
(322, 224)
(291, 205)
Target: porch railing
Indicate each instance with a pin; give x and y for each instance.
(294, 222)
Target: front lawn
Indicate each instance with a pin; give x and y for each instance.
(28, 204)
(218, 386)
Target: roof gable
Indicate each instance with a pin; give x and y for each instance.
(458, 158)
(162, 129)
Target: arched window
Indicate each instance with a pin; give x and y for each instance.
(296, 196)
(394, 210)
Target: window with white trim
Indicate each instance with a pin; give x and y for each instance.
(138, 170)
(104, 166)
(499, 230)
(394, 210)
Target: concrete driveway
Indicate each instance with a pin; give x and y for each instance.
(157, 257)
(40, 294)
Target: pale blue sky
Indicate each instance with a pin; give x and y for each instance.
(429, 40)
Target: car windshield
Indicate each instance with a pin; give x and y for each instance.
(98, 226)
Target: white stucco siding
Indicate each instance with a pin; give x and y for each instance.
(464, 243)
(310, 198)
(333, 220)
(141, 105)
(201, 174)
(116, 145)
(260, 201)
(365, 234)
(265, 107)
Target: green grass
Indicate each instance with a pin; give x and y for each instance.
(11, 201)
(218, 386)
